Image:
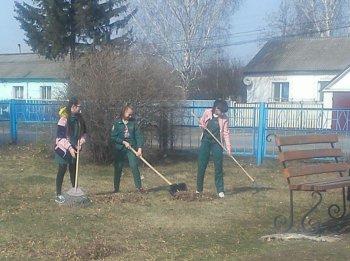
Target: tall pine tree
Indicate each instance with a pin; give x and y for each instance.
(55, 28)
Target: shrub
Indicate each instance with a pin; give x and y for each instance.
(105, 80)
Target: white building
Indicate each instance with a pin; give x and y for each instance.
(30, 76)
(296, 70)
(337, 92)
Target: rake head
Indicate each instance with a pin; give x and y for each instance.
(75, 192)
(177, 187)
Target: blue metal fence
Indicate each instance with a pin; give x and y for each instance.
(5, 122)
(243, 132)
(251, 124)
(306, 121)
(29, 121)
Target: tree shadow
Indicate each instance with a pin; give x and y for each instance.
(254, 190)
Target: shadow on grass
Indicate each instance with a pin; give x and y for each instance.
(238, 190)
(252, 189)
(170, 158)
(336, 226)
(159, 188)
(154, 189)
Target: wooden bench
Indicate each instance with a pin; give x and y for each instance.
(311, 163)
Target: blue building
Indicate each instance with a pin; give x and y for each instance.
(31, 76)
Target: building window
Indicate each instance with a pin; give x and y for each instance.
(321, 86)
(18, 92)
(46, 92)
(281, 91)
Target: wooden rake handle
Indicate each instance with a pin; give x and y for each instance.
(222, 146)
(77, 167)
(151, 167)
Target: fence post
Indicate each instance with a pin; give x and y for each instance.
(261, 134)
(13, 122)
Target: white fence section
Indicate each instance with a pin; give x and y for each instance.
(298, 115)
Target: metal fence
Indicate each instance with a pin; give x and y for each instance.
(251, 124)
(29, 121)
(311, 121)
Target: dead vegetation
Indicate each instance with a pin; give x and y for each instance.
(190, 196)
(117, 198)
(95, 250)
(152, 226)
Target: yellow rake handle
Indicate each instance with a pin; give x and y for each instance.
(77, 167)
(151, 167)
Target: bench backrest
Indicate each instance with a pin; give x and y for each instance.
(308, 147)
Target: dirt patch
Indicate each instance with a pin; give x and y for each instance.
(193, 196)
(96, 250)
(117, 198)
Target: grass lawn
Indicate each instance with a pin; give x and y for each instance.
(152, 226)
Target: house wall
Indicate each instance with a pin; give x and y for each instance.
(339, 85)
(31, 89)
(328, 100)
(301, 87)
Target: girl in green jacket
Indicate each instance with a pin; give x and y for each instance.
(126, 134)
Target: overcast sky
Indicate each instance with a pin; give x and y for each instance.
(250, 18)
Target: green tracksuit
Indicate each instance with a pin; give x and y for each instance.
(208, 144)
(131, 133)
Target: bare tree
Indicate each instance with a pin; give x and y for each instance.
(321, 18)
(221, 78)
(106, 80)
(281, 22)
(182, 31)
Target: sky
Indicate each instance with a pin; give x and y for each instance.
(250, 17)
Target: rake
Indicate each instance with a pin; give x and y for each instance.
(75, 196)
(76, 191)
(174, 187)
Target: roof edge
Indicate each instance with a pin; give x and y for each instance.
(34, 79)
(303, 72)
(17, 53)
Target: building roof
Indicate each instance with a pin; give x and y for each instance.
(340, 83)
(29, 66)
(301, 56)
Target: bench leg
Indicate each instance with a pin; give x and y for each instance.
(281, 222)
(334, 209)
(313, 226)
(336, 212)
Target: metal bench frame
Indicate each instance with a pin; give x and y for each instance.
(316, 187)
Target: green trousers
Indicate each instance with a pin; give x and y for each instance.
(118, 166)
(206, 147)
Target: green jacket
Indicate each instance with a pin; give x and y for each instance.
(118, 134)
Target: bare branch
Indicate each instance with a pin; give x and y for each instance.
(182, 31)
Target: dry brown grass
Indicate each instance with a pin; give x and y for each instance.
(152, 226)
